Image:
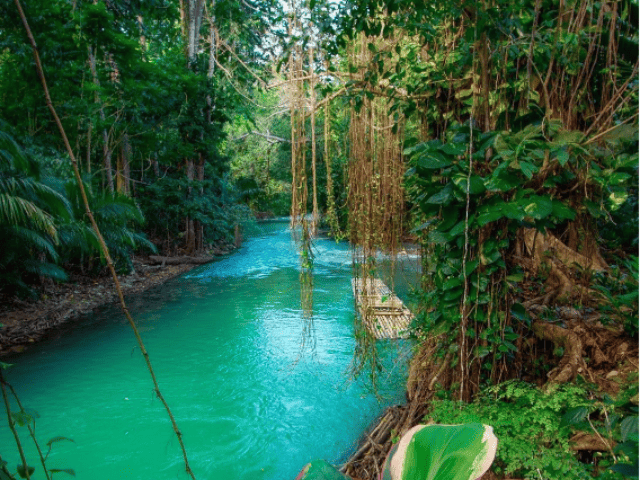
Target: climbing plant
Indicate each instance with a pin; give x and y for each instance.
(527, 185)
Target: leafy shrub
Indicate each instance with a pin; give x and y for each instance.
(533, 429)
(619, 288)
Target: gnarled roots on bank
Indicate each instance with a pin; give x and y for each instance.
(566, 332)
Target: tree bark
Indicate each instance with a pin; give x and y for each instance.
(190, 236)
(199, 227)
(191, 12)
(123, 173)
(106, 151)
(567, 339)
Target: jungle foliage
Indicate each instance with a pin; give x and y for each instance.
(545, 444)
(520, 123)
(46, 231)
(145, 119)
(500, 135)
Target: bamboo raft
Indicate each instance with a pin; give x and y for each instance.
(383, 313)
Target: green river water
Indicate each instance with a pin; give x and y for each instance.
(254, 396)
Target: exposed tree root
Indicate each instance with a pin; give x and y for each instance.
(538, 243)
(590, 442)
(607, 350)
(571, 361)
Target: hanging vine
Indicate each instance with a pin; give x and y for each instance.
(375, 197)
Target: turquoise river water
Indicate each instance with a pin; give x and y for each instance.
(255, 397)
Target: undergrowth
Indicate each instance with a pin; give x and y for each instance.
(534, 429)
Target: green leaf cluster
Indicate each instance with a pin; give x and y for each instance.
(46, 231)
(476, 192)
(534, 428)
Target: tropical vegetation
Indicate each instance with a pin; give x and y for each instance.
(499, 136)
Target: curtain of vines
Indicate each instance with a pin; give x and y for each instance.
(375, 191)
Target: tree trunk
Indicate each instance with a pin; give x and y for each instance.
(155, 165)
(106, 151)
(88, 160)
(191, 12)
(190, 236)
(199, 227)
(123, 173)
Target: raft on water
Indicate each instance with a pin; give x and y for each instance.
(383, 313)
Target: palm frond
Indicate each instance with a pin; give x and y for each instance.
(141, 241)
(30, 239)
(17, 211)
(37, 192)
(117, 208)
(46, 269)
(78, 235)
(11, 154)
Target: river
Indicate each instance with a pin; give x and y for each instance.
(255, 394)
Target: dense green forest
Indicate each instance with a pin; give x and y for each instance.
(499, 136)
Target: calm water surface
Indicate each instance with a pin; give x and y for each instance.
(254, 396)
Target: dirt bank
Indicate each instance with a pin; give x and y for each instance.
(27, 321)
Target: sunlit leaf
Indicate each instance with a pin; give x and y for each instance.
(475, 183)
(528, 169)
(442, 452)
(537, 206)
(451, 283)
(489, 216)
(517, 277)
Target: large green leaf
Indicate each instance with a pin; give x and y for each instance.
(433, 160)
(25, 472)
(537, 206)
(562, 211)
(490, 215)
(68, 471)
(443, 197)
(442, 452)
(475, 183)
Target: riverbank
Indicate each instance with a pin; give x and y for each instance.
(608, 375)
(25, 322)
